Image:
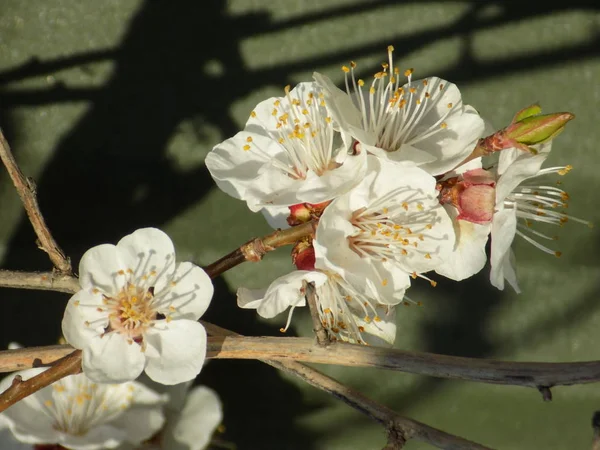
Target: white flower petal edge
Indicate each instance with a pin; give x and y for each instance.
(193, 428)
(128, 290)
(468, 256)
(388, 227)
(422, 121)
(284, 292)
(82, 415)
(288, 153)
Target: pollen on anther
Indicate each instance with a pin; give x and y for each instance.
(246, 147)
(384, 282)
(121, 272)
(86, 323)
(408, 72)
(558, 254)
(76, 303)
(427, 256)
(433, 283)
(361, 82)
(449, 105)
(443, 125)
(345, 69)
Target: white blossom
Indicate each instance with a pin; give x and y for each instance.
(387, 229)
(345, 312)
(288, 153)
(138, 310)
(79, 414)
(422, 121)
(520, 196)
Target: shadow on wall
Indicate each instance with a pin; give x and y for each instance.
(109, 175)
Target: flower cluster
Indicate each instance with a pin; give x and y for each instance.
(76, 413)
(390, 170)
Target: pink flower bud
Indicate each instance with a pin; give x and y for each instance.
(303, 255)
(475, 196)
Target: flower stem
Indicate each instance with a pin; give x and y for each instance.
(255, 249)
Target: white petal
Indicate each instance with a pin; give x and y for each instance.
(189, 292)
(112, 359)
(250, 298)
(148, 252)
(342, 109)
(383, 332)
(317, 189)
(284, 292)
(140, 423)
(523, 167)
(9, 442)
(199, 419)
(235, 169)
(99, 268)
(27, 419)
(468, 256)
(82, 320)
(276, 216)
(504, 226)
(176, 351)
(98, 438)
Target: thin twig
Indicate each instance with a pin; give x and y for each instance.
(42, 281)
(19, 389)
(26, 189)
(255, 249)
(511, 373)
(311, 298)
(393, 422)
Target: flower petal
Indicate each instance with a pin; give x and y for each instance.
(99, 268)
(504, 228)
(85, 318)
(468, 256)
(112, 359)
(149, 254)
(201, 415)
(188, 294)
(176, 351)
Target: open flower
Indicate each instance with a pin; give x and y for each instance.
(388, 228)
(138, 310)
(345, 312)
(287, 154)
(422, 121)
(79, 414)
(520, 196)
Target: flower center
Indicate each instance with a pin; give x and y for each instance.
(392, 112)
(305, 133)
(132, 311)
(391, 230)
(79, 405)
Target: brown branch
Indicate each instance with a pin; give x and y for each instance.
(43, 281)
(26, 189)
(344, 354)
(394, 423)
(255, 249)
(311, 299)
(19, 389)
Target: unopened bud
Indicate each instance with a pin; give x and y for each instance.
(528, 128)
(303, 255)
(305, 212)
(473, 194)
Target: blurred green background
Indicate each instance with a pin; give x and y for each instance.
(112, 106)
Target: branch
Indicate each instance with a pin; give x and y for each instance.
(255, 249)
(394, 423)
(287, 349)
(311, 299)
(19, 389)
(26, 189)
(43, 281)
